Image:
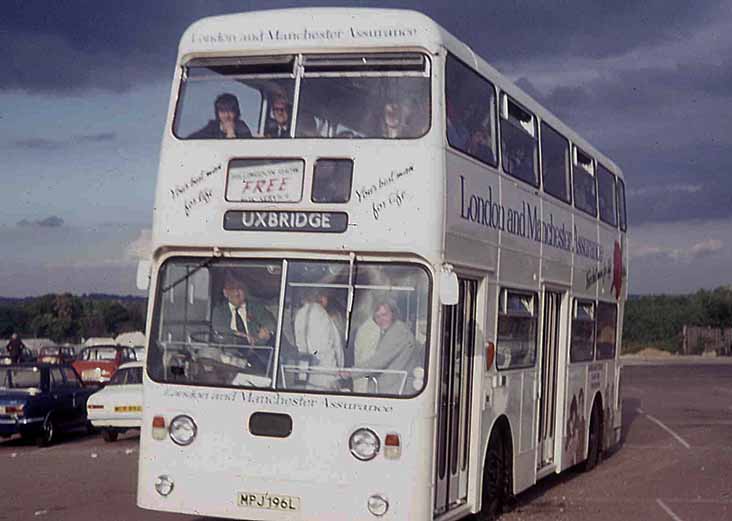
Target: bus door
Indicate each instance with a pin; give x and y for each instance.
(549, 370)
(455, 394)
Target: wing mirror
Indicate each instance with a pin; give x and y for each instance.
(143, 274)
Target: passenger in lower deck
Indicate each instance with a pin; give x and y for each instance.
(395, 353)
(318, 335)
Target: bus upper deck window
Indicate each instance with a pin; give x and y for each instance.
(352, 96)
(518, 141)
(606, 196)
(555, 163)
(585, 189)
(621, 205)
(470, 106)
(234, 97)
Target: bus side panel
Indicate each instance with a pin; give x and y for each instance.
(557, 245)
(574, 430)
(472, 208)
(587, 253)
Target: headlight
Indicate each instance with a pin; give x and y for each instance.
(183, 430)
(364, 444)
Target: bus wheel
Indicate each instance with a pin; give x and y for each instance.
(594, 448)
(494, 479)
(109, 435)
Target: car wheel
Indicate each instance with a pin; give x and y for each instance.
(48, 432)
(109, 435)
(594, 448)
(494, 479)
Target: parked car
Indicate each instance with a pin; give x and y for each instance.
(26, 355)
(56, 355)
(38, 401)
(118, 406)
(97, 364)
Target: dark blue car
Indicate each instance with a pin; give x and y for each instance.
(38, 401)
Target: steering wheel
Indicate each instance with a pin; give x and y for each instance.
(235, 345)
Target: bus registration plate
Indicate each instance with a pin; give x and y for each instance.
(269, 501)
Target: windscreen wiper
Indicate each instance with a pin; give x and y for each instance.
(188, 275)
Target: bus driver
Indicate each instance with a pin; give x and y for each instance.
(243, 317)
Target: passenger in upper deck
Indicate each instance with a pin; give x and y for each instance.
(393, 124)
(418, 118)
(457, 134)
(480, 145)
(279, 127)
(227, 122)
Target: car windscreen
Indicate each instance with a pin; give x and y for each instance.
(126, 376)
(21, 378)
(288, 324)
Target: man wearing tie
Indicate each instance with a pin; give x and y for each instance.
(279, 127)
(243, 317)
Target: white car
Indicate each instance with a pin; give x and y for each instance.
(118, 406)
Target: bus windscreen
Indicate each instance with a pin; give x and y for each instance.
(292, 325)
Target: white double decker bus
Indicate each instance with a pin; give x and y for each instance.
(385, 282)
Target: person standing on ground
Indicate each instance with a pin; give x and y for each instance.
(15, 348)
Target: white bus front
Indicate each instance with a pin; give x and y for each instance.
(253, 425)
(313, 402)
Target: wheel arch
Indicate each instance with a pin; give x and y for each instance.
(597, 400)
(503, 425)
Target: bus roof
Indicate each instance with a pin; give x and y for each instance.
(350, 29)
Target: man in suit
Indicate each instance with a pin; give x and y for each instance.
(280, 126)
(244, 318)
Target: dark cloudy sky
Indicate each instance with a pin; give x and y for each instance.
(84, 88)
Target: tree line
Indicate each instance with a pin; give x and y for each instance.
(70, 318)
(658, 320)
(650, 320)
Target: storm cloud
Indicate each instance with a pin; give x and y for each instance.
(648, 83)
(35, 143)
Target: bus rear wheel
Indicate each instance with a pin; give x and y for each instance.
(494, 479)
(594, 448)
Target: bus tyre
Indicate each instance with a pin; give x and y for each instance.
(48, 432)
(594, 436)
(494, 479)
(109, 435)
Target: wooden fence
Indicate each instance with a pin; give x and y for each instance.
(706, 340)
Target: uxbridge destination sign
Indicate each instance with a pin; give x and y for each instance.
(482, 208)
(286, 221)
